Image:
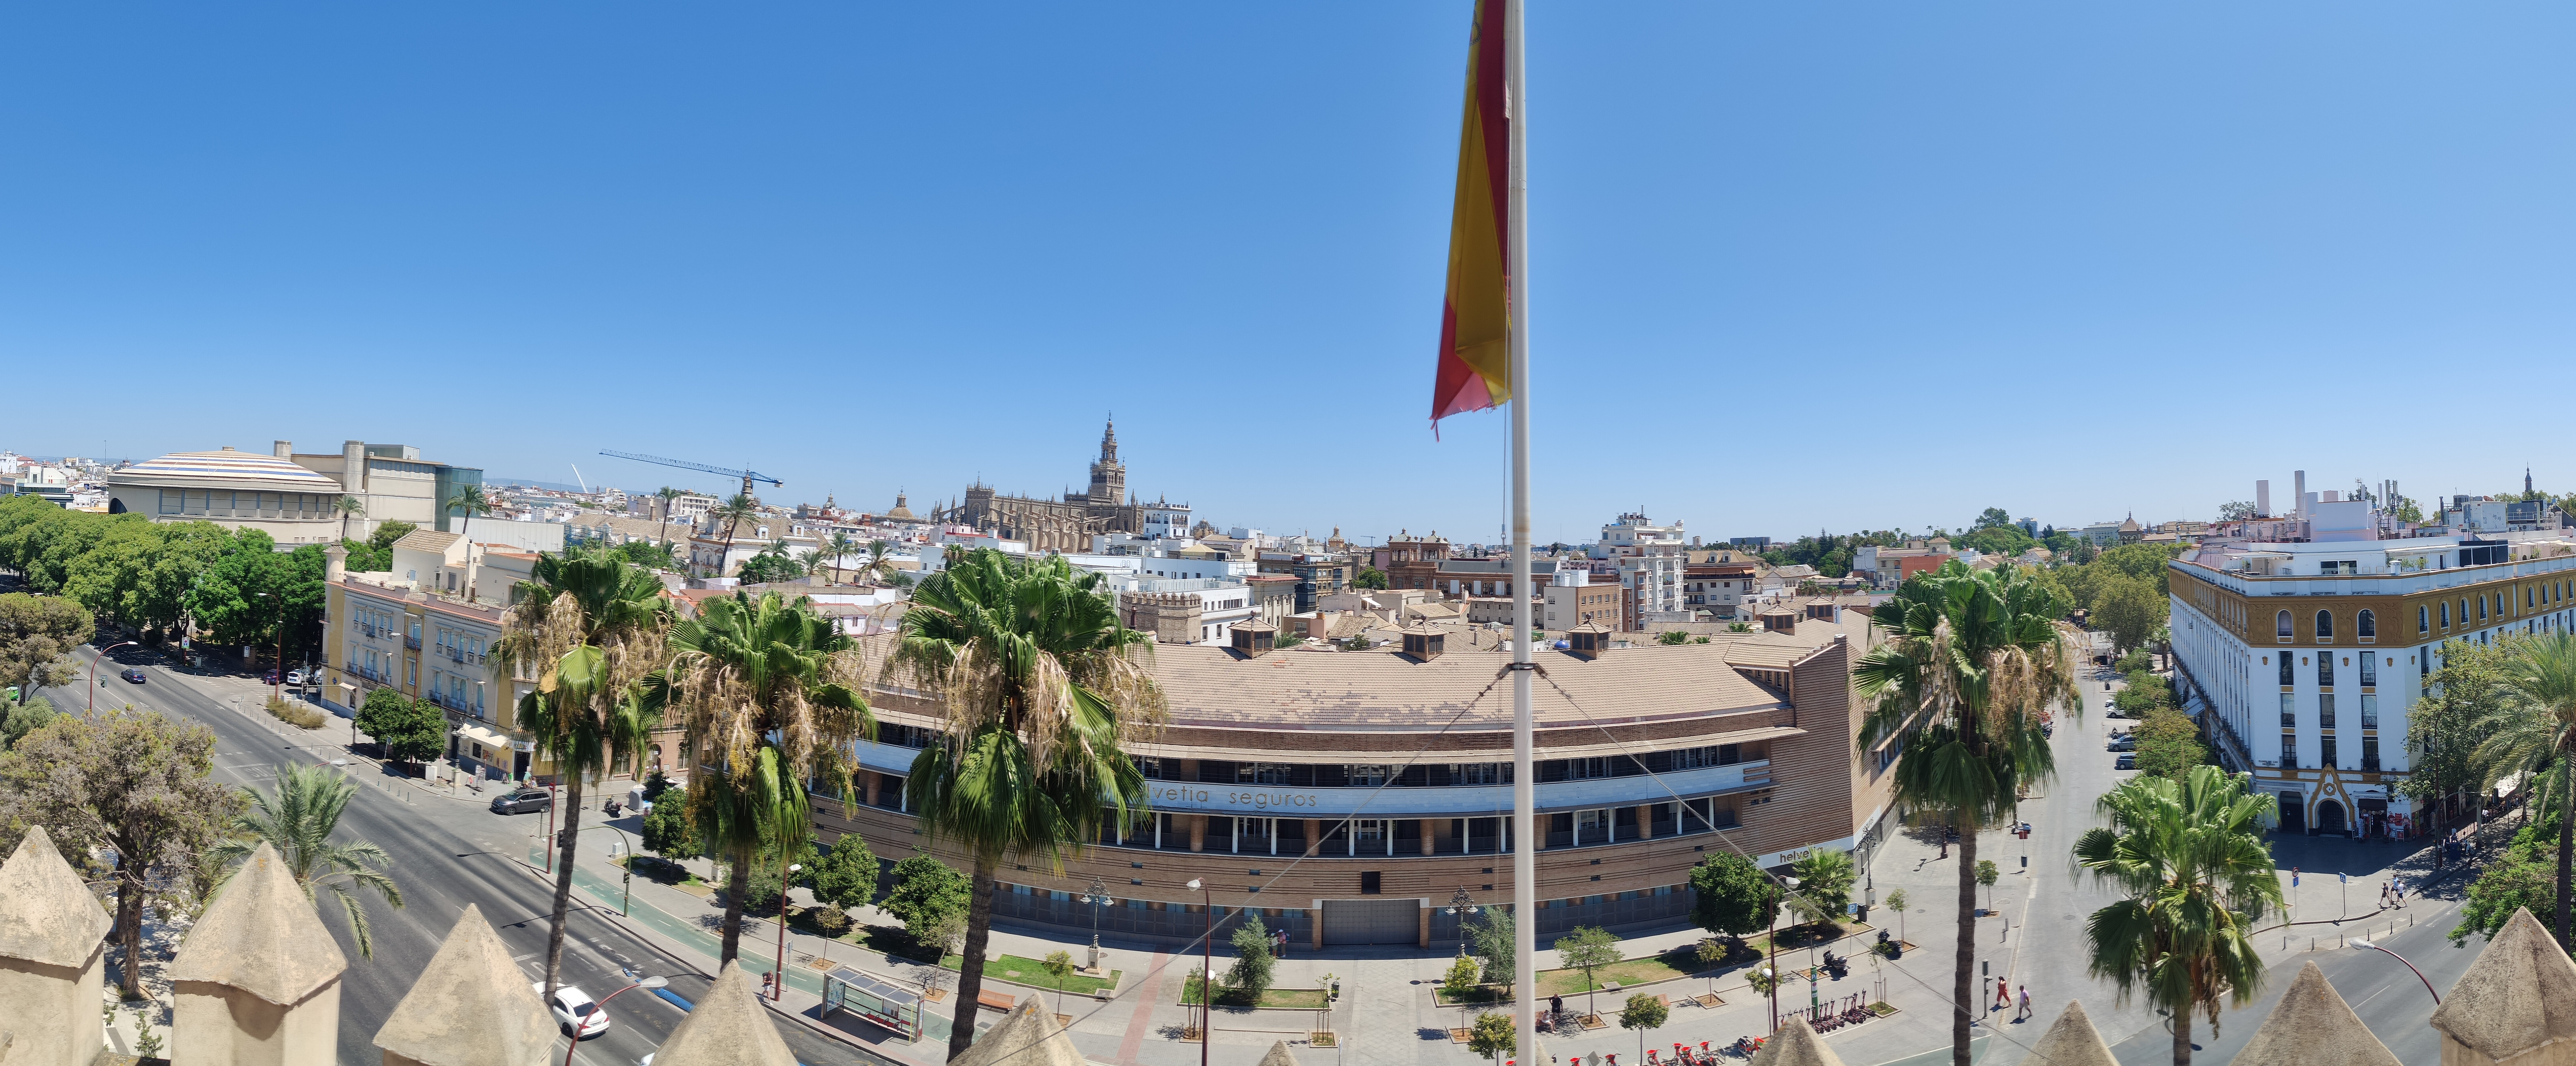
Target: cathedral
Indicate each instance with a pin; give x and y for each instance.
(1067, 525)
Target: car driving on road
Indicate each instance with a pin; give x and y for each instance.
(131, 674)
(574, 1012)
(522, 801)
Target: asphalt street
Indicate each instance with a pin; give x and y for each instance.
(446, 854)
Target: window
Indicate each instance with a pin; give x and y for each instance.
(1588, 823)
(2446, 616)
(1365, 775)
(1479, 773)
(2325, 711)
(2281, 625)
(2367, 626)
(1261, 773)
(2289, 709)
(2326, 753)
(2423, 620)
(2286, 681)
(2289, 752)
(1586, 769)
(1369, 829)
(2325, 625)
(2369, 671)
(2370, 753)
(2369, 711)
(2482, 608)
(2325, 671)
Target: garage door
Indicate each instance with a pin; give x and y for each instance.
(1372, 921)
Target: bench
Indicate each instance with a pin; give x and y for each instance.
(991, 1000)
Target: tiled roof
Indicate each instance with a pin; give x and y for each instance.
(225, 466)
(1207, 685)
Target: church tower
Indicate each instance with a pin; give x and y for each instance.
(1108, 476)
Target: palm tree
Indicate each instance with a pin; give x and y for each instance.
(734, 511)
(667, 494)
(297, 820)
(2536, 732)
(880, 564)
(470, 501)
(769, 693)
(350, 505)
(836, 549)
(2190, 856)
(1974, 659)
(587, 629)
(1040, 685)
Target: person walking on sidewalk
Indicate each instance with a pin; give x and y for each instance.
(2023, 1014)
(2003, 995)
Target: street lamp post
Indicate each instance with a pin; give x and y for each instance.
(1207, 967)
(1463, 906)
(649, 982)
(1097, 898)
(93, 671)
(2365, 944)
(778, 988)
(280, 692)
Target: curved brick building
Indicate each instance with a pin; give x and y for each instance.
(1350, 795)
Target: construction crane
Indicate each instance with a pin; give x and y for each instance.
(747, 476)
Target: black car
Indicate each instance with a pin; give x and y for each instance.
(523, 801)
(2125, 762)
(131, 674)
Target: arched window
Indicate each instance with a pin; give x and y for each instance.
(2367, 626)
(2281, 625)
(2325, 625)
(2446, 616)
(2423, 620)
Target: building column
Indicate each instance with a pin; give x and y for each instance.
(1198, 832)
(1314, 839)
(1538, 840)
(869, 777)
(1646, 821)
(1436, 833)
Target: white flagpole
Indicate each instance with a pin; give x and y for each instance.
(1524, 779)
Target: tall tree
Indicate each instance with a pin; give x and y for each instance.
(37, 635)
(769, 693)
(469, 500)
(2442, 728)
(1730, 896)
(666, 494)
(297, 820)
(736, 510)
(588, 630)
(2536, 732)
(132, 782)
(1041, 688)
(1972, 662)
(2189, 856)
(350, 507)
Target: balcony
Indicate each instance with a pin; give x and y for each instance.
(412, 642)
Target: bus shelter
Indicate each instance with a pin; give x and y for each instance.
(894, 1006)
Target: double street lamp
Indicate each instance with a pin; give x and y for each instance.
(1098, 898)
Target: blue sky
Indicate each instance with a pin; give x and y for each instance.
(1795, 266)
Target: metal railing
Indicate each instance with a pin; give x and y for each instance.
(411, 642)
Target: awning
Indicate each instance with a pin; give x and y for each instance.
(483, 736)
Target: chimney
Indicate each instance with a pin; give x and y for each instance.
(2299, 493)
(281, 449)
(353, 467)
(1255, 638)
(1587, 641)
(2262, 499)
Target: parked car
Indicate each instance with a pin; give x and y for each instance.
(2126, 761)
(295, 677)
(269, 678)
(574, 1012)
(2123, 742)
(523, 801)
(131, 674)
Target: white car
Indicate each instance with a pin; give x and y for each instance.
(295, 677)
(575, 1013)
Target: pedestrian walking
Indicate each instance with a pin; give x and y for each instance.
(2003, 995)
(2024, 1012)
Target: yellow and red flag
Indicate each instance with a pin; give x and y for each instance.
(1475, 317)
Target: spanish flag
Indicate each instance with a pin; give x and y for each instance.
(1475, 317)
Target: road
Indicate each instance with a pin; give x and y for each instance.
(446, 854)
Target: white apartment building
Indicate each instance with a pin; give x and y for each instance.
(2303, 658)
